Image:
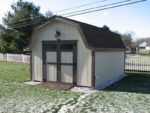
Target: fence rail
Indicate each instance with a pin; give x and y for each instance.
(132, 63)
(137, 63)
(20, 58)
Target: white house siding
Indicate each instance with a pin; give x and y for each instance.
(68, 32)
(108, 66)
(147, 48)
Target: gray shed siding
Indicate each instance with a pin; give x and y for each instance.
(68, 32)
(109, 66)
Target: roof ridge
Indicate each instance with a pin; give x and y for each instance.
(79, 22)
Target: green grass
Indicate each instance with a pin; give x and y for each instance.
(15, 96)
(11, 72)
(130, 95)
(137, 73)
(135, 82)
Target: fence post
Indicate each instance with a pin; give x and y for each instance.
(6, 57)
(22, 58)
(3, 57)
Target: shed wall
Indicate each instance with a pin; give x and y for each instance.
(68, 32)
(108, 66)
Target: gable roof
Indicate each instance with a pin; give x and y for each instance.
(95, 38)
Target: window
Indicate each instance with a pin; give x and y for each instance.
(51, 47)
(66, 47)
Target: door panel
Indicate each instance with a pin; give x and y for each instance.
(59, 61)
(51, 57)
(51, 66)
(66, 74)
(51, 71)
(67, 69)
(66, 57)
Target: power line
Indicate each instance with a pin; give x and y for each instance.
(24, 25)
(86, 12)
(80, 6)
(74, 11)
(106, 8)
(25, 19)
(60, 11)
(6, 29)
(27, 24)
(115, 3)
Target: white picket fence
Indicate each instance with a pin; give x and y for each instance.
(132, 63)
(19, 58)
(137, 63)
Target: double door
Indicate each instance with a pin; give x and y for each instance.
(60, 61)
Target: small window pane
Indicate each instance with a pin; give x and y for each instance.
(51, 47)
(66, 47)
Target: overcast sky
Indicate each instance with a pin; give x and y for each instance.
(134, 18)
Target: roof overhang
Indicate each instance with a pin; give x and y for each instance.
(109, 49)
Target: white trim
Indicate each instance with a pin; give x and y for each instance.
(109, 82)
(55, 19)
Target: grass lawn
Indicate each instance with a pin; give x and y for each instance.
(130, 95)
(16, 97)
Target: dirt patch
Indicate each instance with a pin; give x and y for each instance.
(57, 86)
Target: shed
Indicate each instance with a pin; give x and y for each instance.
(72, 52)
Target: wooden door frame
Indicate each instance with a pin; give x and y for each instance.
(74, 64)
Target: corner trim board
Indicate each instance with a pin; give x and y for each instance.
(124, 60)
(31, 75)
(93, 70)
(43, 61)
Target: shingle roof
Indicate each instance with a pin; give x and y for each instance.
(98, 38)
(101, 38)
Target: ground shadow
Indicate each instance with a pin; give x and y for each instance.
(134, 82)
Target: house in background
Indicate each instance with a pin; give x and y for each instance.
(145, 45)
(72, 52)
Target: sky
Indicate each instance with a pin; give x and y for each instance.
(134, 19)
